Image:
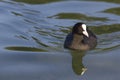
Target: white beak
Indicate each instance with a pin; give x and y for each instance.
(85, 33)
(85, 30)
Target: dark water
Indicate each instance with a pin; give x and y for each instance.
(32, 34)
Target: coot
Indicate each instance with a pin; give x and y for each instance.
(81, 38)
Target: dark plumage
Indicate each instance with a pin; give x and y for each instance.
(81, 38)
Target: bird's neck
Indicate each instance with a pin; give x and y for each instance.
(77, 38)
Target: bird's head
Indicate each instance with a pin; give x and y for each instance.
(80, 28)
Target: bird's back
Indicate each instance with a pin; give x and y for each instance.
(68, 40)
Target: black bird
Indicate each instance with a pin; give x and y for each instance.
(81, 38)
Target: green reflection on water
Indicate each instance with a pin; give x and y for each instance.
(21, 48)
(77, 62)
(39, 42)
(114, 1)
(77, 16)
(111, 48)
(17, 14)
(106, 29)
(100, 29)
(36, 1)
(113, 10)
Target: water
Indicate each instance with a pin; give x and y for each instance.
(32, 34)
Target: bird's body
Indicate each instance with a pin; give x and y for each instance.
(81, 38)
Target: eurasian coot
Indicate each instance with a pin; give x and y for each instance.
(81, 38)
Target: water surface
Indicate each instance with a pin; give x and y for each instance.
(32, 34)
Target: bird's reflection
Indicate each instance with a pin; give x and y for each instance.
(77, 62)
